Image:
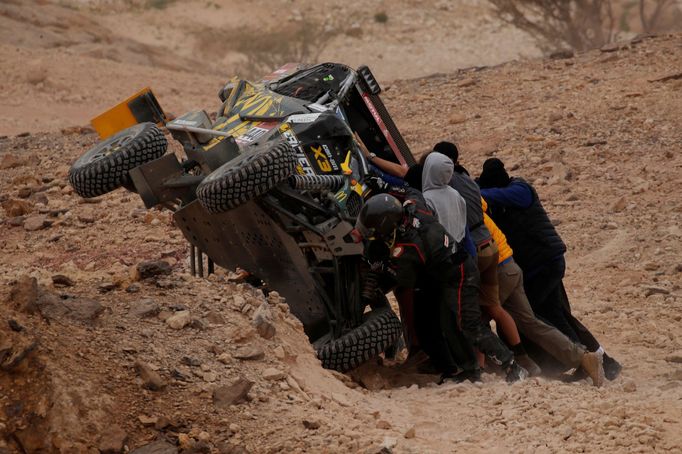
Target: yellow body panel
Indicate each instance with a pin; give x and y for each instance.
(117, 118)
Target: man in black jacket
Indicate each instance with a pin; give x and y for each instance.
(515, 207)
(412, 250)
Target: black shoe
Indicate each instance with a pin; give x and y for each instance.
(612, 368)
(516, 373)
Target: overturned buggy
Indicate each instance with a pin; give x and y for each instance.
(272, 185)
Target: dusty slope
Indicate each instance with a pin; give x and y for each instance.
(65, 61)
(615, 202)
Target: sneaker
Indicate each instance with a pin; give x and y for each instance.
(527, 363)
(592, 364)
(516, 373)
(612, 368)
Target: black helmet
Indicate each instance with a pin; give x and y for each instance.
(379, 217)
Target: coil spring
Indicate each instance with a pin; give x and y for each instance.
(370, 286)
(316, 182)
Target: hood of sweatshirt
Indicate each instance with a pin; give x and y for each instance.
(438, 170)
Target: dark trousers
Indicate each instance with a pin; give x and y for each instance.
(437, 330)
(468, 314)
(547, 296)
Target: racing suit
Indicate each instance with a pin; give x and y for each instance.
(447, 317)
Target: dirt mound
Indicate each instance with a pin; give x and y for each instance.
(109, 347)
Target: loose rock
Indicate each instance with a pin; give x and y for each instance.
(263, 321)
(10, 161)
(153, 268)
(249, 352)
(674, 357)
(35, 222)
(113, 440)
(311, 425)
(83, 310)
(24, 294)
(273, 374)
(179, 320)
(630, 386)
(383, 424)
(147, 420)
(16, 207)
(151, 380)
(157, 447)
(236, 393)
(59, 280)
(144, 308)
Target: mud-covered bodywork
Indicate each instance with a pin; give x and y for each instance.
(272, 184)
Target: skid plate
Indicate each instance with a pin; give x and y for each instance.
(246, 237)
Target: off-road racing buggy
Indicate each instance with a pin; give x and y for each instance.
(272, 185)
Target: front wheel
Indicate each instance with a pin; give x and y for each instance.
(247, 176)
(379, 330)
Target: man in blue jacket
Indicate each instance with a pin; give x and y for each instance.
(515, 207)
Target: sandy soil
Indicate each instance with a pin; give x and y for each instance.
(598, 134)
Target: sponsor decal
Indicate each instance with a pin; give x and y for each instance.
(330, 156)
(397, 252)
(446, 241)
(415, 223)
(303, 166)
(303, 118)
(182, 122)
(251, 135)
(322, 155)
(383, 128)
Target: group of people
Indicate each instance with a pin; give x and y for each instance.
(459, 252)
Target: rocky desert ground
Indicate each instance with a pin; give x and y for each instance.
(108, 344)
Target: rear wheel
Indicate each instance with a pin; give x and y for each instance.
(380, 330)
(247, 176)
(105, 166)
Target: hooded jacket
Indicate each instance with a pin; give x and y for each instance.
(468, 189)
(444, 200)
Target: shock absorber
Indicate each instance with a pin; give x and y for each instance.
(370, 286)
(316, 182)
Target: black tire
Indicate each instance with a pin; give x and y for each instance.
(379, 331)
(105, 166)
(247, 176)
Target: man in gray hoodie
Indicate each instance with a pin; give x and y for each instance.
(486, 257)
(450, 209)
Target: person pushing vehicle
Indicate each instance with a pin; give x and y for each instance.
(412, 250)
